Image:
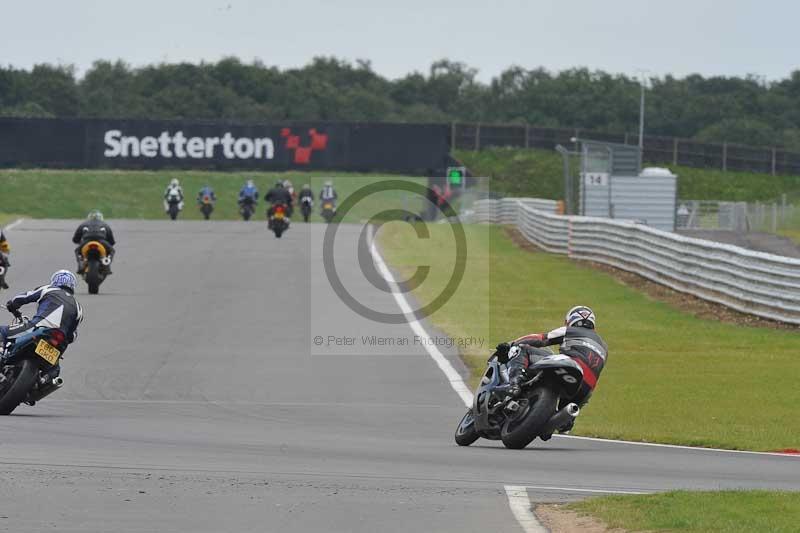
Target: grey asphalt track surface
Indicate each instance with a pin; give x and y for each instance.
(196, 400)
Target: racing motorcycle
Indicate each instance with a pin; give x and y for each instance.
(328, 211)
(96, 263)
(174, 205)
(279, 220)
(4, 264)
(305, 207)
(206, 206)
(535, 412)
(246, 208)
(27, 366)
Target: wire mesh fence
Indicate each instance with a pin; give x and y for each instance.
(657, 149)
(741, 217)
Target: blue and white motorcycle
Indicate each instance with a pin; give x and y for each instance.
(518, 420)
(29, 366)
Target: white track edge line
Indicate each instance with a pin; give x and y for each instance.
(14, 224)
(466, 395)
(520, 506)
(441, 361)
(676, 446)
(590, 491)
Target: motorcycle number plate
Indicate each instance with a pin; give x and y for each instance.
(278, 215)
(47, 352)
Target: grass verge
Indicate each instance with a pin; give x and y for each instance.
(7, 218)
(696, 512)
(539, 173)
(671, 377)
(138, 194)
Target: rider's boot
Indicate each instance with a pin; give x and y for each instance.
(516, 377)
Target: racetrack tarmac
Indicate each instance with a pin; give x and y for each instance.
(196, 400)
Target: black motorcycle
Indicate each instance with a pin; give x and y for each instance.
(328, 210)
(279, 219)
(206, 206)
(305, 208)
(4, 264)
(173, 208)
(517, 421)
(27, 364)
(247, 207)
(96, 264)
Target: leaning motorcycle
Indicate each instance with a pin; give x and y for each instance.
(279, 220)
(534, 412)
(328, 211)
(96, 263)
(206, 206)
(305, 207)
(26, 365)
(247, 207)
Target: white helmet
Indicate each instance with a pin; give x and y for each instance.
(580, 316)
(64, 279)
(174, 182)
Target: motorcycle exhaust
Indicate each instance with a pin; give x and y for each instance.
(561, 418)
(106, 261)
(43, 392)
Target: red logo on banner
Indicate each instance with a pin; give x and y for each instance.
(302, 154)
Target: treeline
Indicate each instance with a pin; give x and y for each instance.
(742, 110)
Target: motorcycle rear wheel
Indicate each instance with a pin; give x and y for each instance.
(16, 393)
(521, 429)
(93, 276)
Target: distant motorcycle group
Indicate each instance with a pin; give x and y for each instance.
(282, 198)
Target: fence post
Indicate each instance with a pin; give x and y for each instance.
(675, 151)
(453, 144)
(478, 137)
(774, 158)
(774, 217)
(527, 135)
(724, 156)
(626, 137)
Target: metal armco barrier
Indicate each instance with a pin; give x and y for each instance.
(752, 282)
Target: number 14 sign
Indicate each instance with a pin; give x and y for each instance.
(596, 178)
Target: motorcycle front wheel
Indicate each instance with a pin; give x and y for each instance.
(466, 433)
(15, 394)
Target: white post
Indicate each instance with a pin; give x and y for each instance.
(641, 116)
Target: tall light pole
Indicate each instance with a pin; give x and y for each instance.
(641, 109)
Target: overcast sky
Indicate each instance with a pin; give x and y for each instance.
(731, 37)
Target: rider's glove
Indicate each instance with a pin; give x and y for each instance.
(501, 352)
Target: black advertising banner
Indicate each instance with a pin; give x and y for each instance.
(153, 144)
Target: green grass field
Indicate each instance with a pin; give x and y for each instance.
(698, 512)
(539, 173)
(670, 378)
(138, 194)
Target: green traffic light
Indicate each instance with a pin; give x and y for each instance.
(455, 176)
